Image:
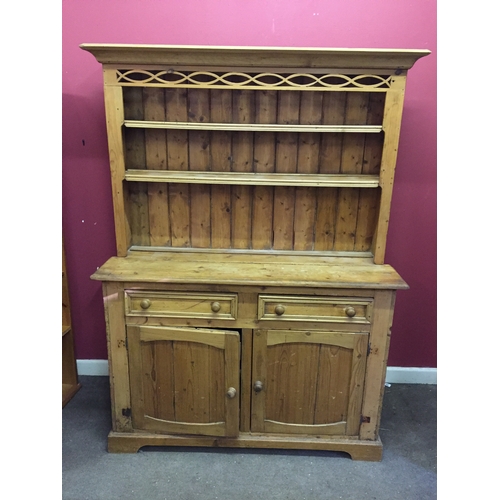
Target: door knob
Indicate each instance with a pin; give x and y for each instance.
(258, 386)
(231, 393)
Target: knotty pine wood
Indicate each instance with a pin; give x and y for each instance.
(358, 449)
(228, 185)
(202, 268)
(234, 217)
(118, 361)
(287, 363)
(179, 379)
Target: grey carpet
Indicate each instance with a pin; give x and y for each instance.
(406, 472)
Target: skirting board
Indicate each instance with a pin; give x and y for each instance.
(395, 374)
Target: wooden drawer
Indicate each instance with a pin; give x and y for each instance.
(317, 309)
(181, 304)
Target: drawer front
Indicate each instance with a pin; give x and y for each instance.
(182, 305)
(317, 309)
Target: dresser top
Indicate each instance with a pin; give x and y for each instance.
(249, 269)
(389, 59)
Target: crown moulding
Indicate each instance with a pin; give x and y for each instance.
(376, 59)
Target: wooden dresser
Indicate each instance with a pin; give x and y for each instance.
(249, 304)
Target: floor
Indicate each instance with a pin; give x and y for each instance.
(407, 471)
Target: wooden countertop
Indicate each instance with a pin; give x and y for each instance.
(191, 267)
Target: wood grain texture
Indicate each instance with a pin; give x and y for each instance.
(118, 360)
(369, 199)
(156, 159)
(199, 160)
(120, 442)
(313, 381)
(329, 163)
(178, 159)
(113, 101)
(377, 363)
(352, 163)
(307, 162)
(220, 148)
(202, 269)
(392, 125)
(264, 160)
(179, 380)
(286, 162)
(242, 155)
(260, 207)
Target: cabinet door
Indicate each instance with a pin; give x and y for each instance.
(184, 380)
(308, 382)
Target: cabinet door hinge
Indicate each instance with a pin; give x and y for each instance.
(369, 349)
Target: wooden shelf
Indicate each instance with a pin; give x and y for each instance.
(253, 127)
(253, 179)
(65, 329)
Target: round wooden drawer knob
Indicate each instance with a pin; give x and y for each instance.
(279, 310)
(231, 392)
(350, 311)
(215, 307)
(145, 303)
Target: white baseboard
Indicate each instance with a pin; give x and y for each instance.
(97, 367)
(400, 375)
(395, 374)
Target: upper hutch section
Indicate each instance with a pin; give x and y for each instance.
(290, 150)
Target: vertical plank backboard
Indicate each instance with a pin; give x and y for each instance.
(369, 198)
(135, 158)
(329, 163)
(199, 160)
(156, 159)
(307, 163)
(220, 148)
(352, 163)
(286, 162)
(265, 160)
(178, 159)
(243, 112)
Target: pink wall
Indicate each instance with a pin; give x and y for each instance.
(86, 201)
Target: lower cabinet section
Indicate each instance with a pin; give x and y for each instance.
(254, 383)
(187, 381)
